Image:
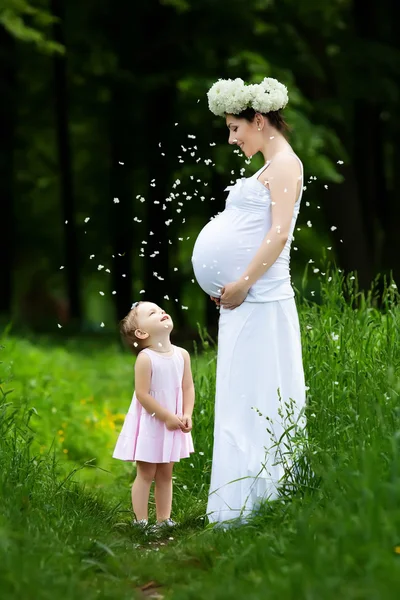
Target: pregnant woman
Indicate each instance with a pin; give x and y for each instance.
(241, 259)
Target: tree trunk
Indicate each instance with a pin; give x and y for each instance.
(64, 156)
(391, 250)
(121, 212)
(7, 120)
(157, 261)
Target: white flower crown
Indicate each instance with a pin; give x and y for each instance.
(232, 96)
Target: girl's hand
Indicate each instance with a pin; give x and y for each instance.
(187, 423)
(216, 300)
(172, 423)
(234, 294)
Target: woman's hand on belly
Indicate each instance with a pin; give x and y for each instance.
(234, 294)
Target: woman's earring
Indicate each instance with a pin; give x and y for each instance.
(259, 128)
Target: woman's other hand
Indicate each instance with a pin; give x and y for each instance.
(216, 300)
(234, 294)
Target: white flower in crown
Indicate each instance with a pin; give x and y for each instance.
(232, 96)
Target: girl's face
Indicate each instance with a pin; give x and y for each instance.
(244, 134)
(153, 320)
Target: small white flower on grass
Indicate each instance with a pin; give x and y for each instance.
(333, 228)
(101, 293)
(87, 219)
(185, 487)
(59, 326)
(184, 307)
(334, 336)
(102, 324)
(316, 270)
(312, 293)
(142, 292)
(91, 256)
(61, 268)
(339, 162)
(100, 267)
(201, 453)
(326, 187)
(394, 286)
(309, 224)
(120, 163)
(113, 293)
(308, 327)
(116, 200)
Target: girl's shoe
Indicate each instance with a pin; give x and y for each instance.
(167, 523)
(141, 524)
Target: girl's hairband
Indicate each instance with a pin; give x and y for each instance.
(134, 305)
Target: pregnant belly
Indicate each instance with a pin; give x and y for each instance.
(224, 248)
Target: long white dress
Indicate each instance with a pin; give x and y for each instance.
(260, 378)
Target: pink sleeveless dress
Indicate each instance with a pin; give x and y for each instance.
(146, 438)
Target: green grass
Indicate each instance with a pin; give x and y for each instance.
(65, 503)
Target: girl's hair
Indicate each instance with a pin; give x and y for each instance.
(274, 117)
(127, 328)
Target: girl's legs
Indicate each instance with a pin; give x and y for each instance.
(163, 491)
(145, 473)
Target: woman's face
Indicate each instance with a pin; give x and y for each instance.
(244, 134)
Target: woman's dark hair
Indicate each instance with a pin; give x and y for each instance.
(274, 117)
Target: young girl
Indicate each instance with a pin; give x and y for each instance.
(156, 430)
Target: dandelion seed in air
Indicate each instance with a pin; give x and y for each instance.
(100, 267)
(316, 270)
(333, 228)
(113, 292)
(59, 326)
(116, 200)
(102, 324)
(120, 163)
(142, 292)
(325, 186)
(61, 267)
(66, 222)
(307, 204)
(87, 219)
(309, 224)
(91, 256)
(339, 162)
(101, 293)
